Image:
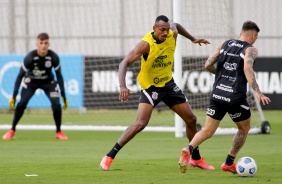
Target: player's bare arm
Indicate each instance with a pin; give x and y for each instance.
(181, 30)
(213, 58)
(140, 49)
(250, 56)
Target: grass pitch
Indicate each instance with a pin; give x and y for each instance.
(149, 158)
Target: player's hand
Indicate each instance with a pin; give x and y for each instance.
(199, 41)
(123, 94)
(12, 102)
(263, 99)
(66, 103)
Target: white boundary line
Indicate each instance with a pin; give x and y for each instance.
(219, 131)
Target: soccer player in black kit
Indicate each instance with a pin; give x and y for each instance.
(37, 73)
(235, 59)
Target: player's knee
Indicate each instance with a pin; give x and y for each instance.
(21, 105)
(56, 107)
(191, 121)
(140, 125)
(208, 133)
(194, 119)
(246, 128)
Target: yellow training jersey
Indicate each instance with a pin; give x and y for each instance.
(156, 70)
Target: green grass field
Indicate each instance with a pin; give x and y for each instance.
(150, 158)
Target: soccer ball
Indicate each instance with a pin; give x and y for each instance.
(246, 166)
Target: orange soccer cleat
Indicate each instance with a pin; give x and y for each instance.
(106, 163)
(9, 135)
(184, 160)
(61, 136)
(229, 168)
(201, 164)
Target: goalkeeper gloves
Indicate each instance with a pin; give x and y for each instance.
(12, 103)
(66, 103)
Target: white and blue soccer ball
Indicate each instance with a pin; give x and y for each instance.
(246, 166)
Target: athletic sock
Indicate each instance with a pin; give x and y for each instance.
(196, 154)
(17, 116)
(229, 160)
(191, 149)
(57, 115)
(114, 151)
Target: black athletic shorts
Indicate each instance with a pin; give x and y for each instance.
(49, 87)
(170, 94)
(239, 112)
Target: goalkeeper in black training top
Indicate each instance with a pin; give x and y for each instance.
(37, 72)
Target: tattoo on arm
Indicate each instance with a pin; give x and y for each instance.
(209, 65)
(250, 74)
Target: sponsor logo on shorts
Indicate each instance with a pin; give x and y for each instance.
(236, 115)
(210, 111)
(155, 95)
(176, 89)
(27, 80)
(54, 94)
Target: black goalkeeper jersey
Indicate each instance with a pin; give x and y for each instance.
(230, 84)
(39, 70)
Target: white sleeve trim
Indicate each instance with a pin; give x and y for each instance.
(56, 68)
(24, 68)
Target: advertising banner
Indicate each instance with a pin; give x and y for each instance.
(102, 86)
(72, 71)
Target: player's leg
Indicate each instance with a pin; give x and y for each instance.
(215, 114)
(208, 130)
(241, 116)
(177, 101)
(148, 100)
(185, 112)
(27, 92)
(143, 116)
(52, 92)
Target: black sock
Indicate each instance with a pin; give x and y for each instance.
(196, 154)
(229, 160)
(57, 115)
(17, 116)
(114, 150)
(191, 149)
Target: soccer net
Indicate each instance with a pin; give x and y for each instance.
(102, 33)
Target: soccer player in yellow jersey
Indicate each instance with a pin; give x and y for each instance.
(156, 50)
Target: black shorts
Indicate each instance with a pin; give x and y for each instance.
(50, 88)
(240, 112)
(170, 94)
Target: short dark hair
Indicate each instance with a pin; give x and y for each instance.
(43, 36)
(250, 25)
(162, 17)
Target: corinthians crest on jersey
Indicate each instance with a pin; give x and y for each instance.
(48, 64)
